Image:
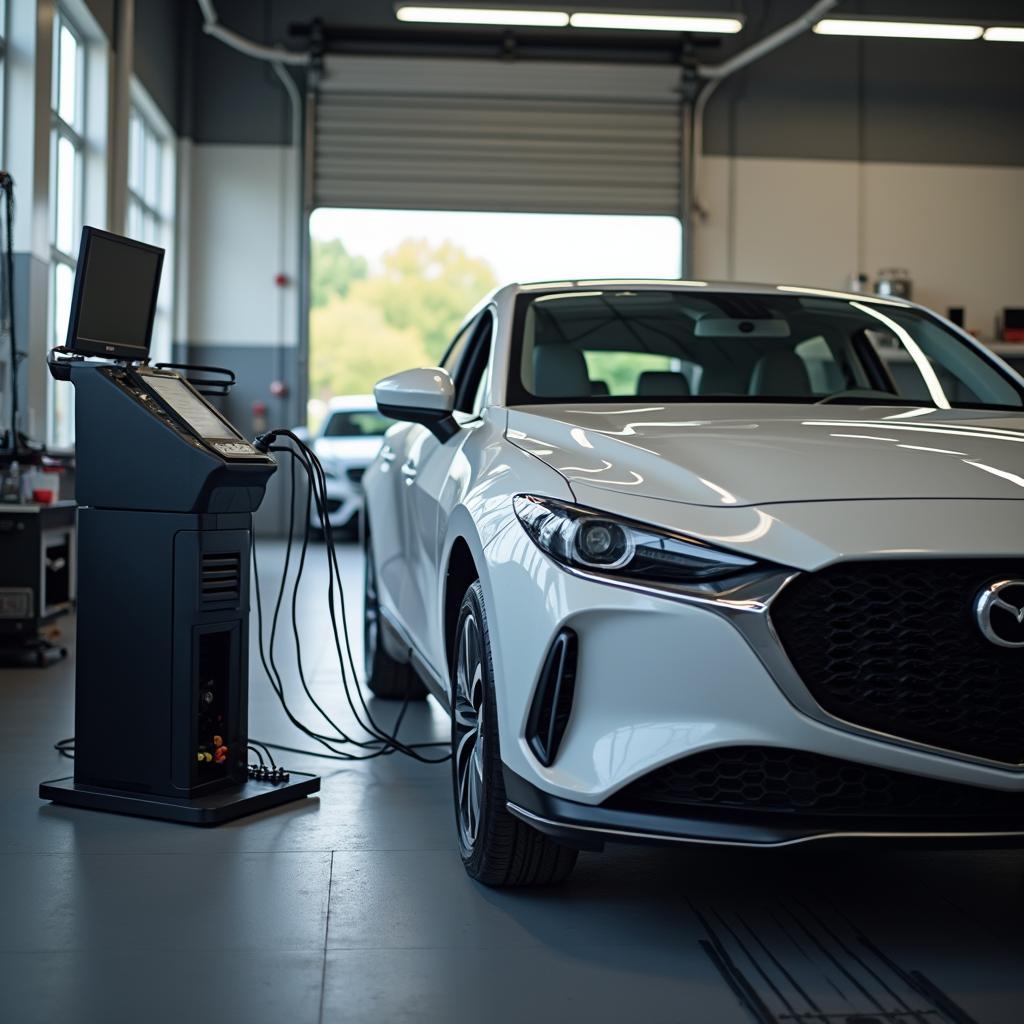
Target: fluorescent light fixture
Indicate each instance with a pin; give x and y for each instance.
(1005, 34)
(483, 16)
(896, 29)
(655, 22)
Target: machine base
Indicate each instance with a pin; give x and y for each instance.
(213, 809)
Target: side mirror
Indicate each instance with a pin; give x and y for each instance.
(424, 396)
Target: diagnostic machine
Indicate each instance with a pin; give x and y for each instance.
(166, 488)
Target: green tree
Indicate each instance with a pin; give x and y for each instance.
(352, 347)
(332, 270)
(429, 289)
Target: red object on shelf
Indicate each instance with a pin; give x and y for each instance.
(1013, 334)
(41, 496)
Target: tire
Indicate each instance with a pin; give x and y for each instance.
(386, 678)
(497, 848)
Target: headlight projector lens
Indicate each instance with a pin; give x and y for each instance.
(603, 543)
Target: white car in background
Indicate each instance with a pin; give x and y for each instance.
(346, 443)
(705, 563)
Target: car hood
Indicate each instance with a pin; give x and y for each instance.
(736, 455)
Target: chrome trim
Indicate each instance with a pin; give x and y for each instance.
(530, 818)
(750, 592)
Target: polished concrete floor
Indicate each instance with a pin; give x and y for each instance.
(353, 906)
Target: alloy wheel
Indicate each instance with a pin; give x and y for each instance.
(469, 738)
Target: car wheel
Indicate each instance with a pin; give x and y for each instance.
(497, 848)
(385, 677)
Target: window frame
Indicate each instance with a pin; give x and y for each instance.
(158, 210)
(60, 427)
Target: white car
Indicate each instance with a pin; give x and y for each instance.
(346, 443)
(709, 564)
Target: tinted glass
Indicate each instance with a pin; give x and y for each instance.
(362, 423)
(623, 345)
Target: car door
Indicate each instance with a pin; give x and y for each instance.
(427, 468)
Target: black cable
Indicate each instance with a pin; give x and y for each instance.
(382, 742)
(256, 751)
(277, 683)
(410, 749)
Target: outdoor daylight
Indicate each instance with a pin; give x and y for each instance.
(389, 288)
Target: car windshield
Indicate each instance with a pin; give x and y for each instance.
(798, 345)
(356, 423)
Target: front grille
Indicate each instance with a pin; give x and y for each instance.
(776, 780)
(894, 646)
(220, 578)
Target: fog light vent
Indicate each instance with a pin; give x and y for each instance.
(552, 703)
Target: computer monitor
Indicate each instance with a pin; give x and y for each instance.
(114, 300)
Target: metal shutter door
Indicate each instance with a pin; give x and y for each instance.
(466, 134)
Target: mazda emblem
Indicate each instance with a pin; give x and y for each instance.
(1000, 613)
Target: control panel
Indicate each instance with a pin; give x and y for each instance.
(234, 447)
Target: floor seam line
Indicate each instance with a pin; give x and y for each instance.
(327, 931)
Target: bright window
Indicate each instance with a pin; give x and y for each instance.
(389, 288)
(151, 205)
(67, 187)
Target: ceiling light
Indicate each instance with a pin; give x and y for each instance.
(655, 22)
(1005, 34)
(483, 16)
(896, 29)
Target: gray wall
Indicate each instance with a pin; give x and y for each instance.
(158, 44)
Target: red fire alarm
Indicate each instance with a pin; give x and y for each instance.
(281, 280)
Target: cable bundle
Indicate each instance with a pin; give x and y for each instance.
(378, 741)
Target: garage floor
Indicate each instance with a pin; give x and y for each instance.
(354, 907)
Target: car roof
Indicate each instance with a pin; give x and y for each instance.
(670, 284)
(352, 403)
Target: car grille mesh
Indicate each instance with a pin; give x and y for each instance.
(894, 646)
(772, 779)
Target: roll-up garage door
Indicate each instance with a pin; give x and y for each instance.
(467, 134)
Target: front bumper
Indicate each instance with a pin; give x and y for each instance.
(660, 679)
(589, 828)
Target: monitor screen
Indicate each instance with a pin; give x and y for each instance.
(116, 287)
(201, 417)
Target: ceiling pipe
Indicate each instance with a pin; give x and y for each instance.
(213, 27)
(712, 75)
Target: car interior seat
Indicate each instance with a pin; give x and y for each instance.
(560, 372)
(662, 382)
(780, 374)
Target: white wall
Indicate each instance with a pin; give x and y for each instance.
(957, 229)
(242, 230)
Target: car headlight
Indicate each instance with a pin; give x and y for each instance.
(588, 539)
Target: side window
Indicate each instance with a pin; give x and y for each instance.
(451, 359)
(470, 376)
